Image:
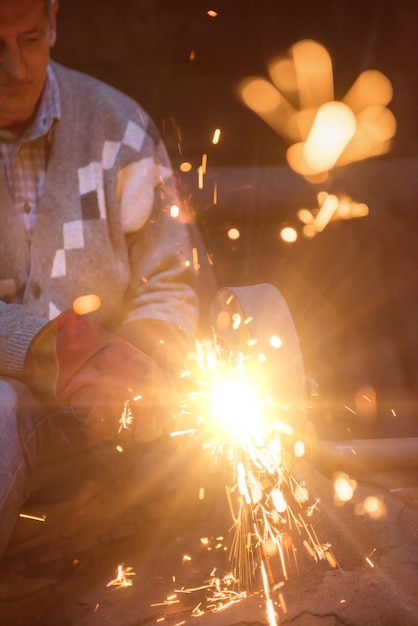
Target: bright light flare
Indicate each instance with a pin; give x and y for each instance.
(236, 407)
(237, 421)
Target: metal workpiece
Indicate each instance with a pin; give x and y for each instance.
(388, 463)
(255, 321)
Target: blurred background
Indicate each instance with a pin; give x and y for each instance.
(351, 288)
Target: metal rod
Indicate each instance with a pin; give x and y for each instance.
(369, 454)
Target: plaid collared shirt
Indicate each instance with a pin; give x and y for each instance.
(24, 158)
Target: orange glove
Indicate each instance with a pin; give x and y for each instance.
(75, 362)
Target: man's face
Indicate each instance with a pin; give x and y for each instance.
(26, 35)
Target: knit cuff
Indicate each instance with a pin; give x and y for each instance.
(18, 326)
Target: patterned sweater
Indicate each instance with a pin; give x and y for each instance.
(103, 226)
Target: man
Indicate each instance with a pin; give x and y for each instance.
(95, 270)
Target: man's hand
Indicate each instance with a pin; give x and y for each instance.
(75, 362)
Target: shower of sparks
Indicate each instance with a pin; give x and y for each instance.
(34, 518)
(204, 162)
(271, 511)
(122, 577)
(216, 136)
(220, 594)
(195, 256)
(127, 417)
(200, 175)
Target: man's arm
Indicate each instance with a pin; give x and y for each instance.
(18, 326)
(161, 305)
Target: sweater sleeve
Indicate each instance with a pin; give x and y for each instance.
(17, 328)
(162, 271)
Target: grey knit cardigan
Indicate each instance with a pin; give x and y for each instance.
(104, 225)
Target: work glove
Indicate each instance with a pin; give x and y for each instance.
(110, 385)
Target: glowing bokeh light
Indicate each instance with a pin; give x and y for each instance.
(279, 501)
(301, 494)
(236, 321)
(216, 136)
(299, 449)
(186, 167)
(283, 75)
(333, 128)
(328, 206)
(233, 233)
(275, 341)
(305, 216)
(323, 133)
(262, 97)
(374, 507)
(313, 69)
(223, 320)
(376, 126)
(174, 211)
(86, 304)
(200, 177)
(288, 234)
(309, 231)
(344, 488)
(366, 403)
(371, 88)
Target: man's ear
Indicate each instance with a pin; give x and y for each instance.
(53, 22)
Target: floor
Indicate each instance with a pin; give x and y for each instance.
(170, 569)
